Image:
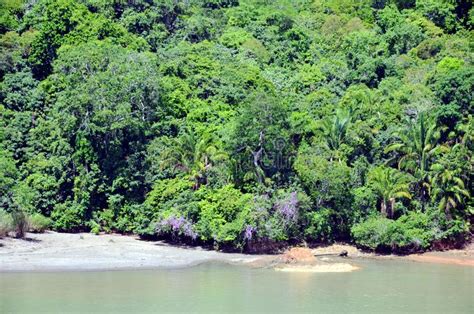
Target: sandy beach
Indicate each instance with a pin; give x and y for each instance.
(52, 251)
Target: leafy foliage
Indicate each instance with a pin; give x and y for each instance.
(39, 223)
(239, 124)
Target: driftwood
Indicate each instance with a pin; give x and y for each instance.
(343, 253)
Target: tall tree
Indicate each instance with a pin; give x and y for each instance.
(390, 184)
(416, 149)
(334, 129)
(193, 155)
(260, 140)
(448, 189)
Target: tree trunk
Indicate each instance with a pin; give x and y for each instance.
(256, 158)
(391, 208)
(383, 208)
(424, 194)
(447, 211)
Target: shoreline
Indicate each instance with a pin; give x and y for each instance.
(462, 257)
(53, 251)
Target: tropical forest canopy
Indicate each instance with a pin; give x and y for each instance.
(241, 124)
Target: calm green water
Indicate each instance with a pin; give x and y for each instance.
(380, 287)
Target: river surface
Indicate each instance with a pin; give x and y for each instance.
(379, 287)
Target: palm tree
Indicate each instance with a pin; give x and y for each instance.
(467, 130)
(192, 155)
(449, 189)
(390, 184)
(416, 150)
(334, 128)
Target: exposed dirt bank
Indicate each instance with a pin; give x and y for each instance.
(327, 259)
(84, 251)
(464, 257)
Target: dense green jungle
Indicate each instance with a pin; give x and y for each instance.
(243, 125)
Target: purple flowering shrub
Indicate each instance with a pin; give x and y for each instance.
(249, 232)
(288, 207)
(275, 217)
(230, 219)
(254, 229)
(176, 226)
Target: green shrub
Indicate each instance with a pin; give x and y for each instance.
(166, 190)
(127, 220)
(411, 232)
(145, 221)
(20, 223)
(319, 225)
(39, 223)
(364, 201)
(94, 226)
(223, 214)
(168, 198)
(6, 223)
(372, 233)
(456, 234)
(449, 233)
(68, 216)
(228, 218)
(417, 230)
(105, 220)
